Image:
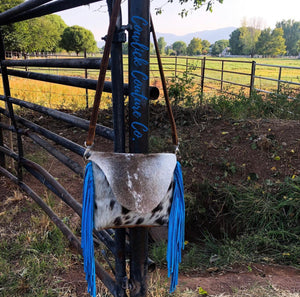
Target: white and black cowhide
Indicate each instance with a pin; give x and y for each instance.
(131, 190)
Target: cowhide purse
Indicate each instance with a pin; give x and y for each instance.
(132, 189)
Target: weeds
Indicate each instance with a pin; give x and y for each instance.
(256, 106)
(245, 223)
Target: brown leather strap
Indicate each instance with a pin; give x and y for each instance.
(164, 85)
(103, 68)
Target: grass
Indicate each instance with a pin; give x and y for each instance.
(32, 250)
(261, 225)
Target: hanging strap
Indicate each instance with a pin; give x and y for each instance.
(103, 68)
(164, 85)
(101, 79)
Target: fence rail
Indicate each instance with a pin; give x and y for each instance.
(219, 75)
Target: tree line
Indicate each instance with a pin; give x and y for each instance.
(246, 40)
(45, 34)
(51, 34)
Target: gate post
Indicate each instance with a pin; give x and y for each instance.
(253, 66)
(138, 55)
(119, 137)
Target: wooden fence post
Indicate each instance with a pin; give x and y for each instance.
(252, 78)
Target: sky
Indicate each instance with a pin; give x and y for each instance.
(231, 13)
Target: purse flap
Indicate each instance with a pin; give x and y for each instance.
(138, 181)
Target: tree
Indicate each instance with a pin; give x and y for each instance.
(38, 34)
(205, 46)
(161, 45)
(196, 5)
(298, 47)
(78, 39)
(236, 46)
(248, 38)
(291, 35)
(44, 33)
(277, 45)
(10, 37)
(195, 47)
(7, 4)
(263, 42)
(271, 43)
(179, 47)
(219, 46)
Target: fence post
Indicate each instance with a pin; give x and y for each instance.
(252, 78)
(279, 78)
(139, 32)
(86, 90)
(2, 155)
(10, 110)
(186, 65)
(117, 79)
(175, 66)
(202, 77)
(222, 75)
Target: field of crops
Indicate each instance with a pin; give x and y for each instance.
(235, 71)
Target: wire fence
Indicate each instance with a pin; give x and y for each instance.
(210, 75)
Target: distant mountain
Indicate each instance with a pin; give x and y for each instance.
(211, 35)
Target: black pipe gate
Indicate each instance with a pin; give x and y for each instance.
(132, 245)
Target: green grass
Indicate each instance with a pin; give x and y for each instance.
(256, 106)
(33, 252)
(260, 225)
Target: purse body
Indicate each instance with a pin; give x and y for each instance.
(132, 189)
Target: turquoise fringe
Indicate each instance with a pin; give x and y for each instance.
(176, 228)
(87, 226)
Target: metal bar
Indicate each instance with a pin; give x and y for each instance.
(62, 116)
(101, 273)
(139, 42)
(74, 81)
(74, 166)
(9, 106)
(274, 79)
(268, 65)
(234, 61)
(74, 147)
(4, 16)
(2, 155)
(226, 81)
(89, 63)
(47, 179)
(49, 8)
(119, 140)
(269, 92)
(227, 71)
